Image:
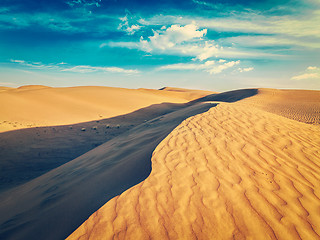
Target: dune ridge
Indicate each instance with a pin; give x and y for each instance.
(38, 106)
(31, 152)
(234, 172)
(53, 205)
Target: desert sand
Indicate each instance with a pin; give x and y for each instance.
(53, 205)
(242, 170)
(93, 116)
(36, 105)
(236, 165)
(300, 105)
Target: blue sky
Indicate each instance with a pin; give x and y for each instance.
(217, 45)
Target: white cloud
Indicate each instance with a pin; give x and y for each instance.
(312, 68)
(63, 67)
(173, 35)
(33, 64)
(131, 30)
(311, 72)
(255, 22)
(17, 61)
(223, 67)
(245, 69)
(272, 40)
(209, 50)
(188, 66)
(206, 4)
(211, 67)
(277, 30)
(88, 69)
(185, 40)
(306, 76)
(102, 45)
(125, 25)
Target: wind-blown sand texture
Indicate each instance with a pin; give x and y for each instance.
(234, 172)
(32, 106)
(300, 105)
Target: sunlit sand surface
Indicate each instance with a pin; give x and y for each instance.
(242, 170)
(300, 105)
(35, 105)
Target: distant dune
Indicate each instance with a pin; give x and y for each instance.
(300, 105)
(189, 94)
(242, 170)
(36, 105)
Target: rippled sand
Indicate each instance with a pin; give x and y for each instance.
(239, 171)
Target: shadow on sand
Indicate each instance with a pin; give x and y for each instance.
(53, 205)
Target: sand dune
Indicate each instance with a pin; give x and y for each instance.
(189, 94)
(234, 172)
(240, 170)
(36, 105)
(300, 105)
(31, 152)
(53, 205)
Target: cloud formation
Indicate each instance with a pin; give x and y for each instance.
(125, 26)
(89, 69)
(311, 72)
(38, 65)
(187, 40)
(212, 67)
(245, 69)
(64, 67)
(179, 40)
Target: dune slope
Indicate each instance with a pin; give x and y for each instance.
(234, 172)
(28, 153)
(53, 205)
(31, 106)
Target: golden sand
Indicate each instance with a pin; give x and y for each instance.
(234, 172)
(34, 105)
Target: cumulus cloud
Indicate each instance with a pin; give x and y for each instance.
(172, 36)
(223, 67)
(129, 28)
(311, 72)
(185, 40)
(212, 67)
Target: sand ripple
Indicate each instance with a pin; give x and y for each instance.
(234, 172)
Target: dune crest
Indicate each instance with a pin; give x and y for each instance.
(234, 172)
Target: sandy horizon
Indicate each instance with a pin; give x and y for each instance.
(164, 164)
